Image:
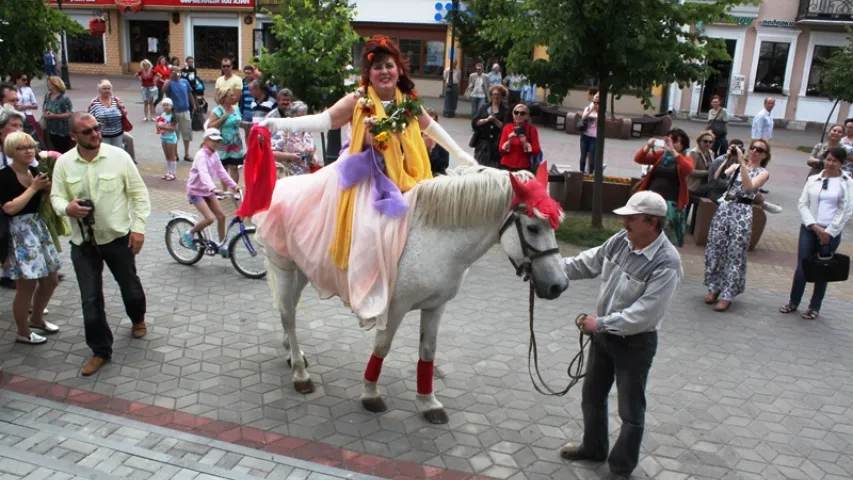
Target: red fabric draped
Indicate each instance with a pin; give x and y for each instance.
(259, 173)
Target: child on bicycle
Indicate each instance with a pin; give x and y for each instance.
(201, 188)
(168, 138)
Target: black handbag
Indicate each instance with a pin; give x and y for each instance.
(832, 268)
(717, 126)
(583, 124)
(5, 237)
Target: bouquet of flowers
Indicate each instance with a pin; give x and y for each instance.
(56, 225)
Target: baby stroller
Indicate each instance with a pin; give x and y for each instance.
(200, 114)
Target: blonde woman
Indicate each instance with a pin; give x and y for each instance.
(226, 118)
(149, 79)
(57, 110)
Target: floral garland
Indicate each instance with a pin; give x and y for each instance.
(398, 117)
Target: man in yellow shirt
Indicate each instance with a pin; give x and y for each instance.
(98, 187)
(228, 79)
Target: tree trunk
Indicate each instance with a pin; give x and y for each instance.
(612, 106)
(823, 132)
(598, 179)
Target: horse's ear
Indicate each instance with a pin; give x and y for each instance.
(542, 174)
(517, 186)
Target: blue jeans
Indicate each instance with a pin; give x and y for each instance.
(809, 245)
(476, 103)
(588, 146)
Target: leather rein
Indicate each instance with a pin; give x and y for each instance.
(530, 253)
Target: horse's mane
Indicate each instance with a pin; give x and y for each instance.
(466, 196)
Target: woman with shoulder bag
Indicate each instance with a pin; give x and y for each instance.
(718, 119)
(487, 125)
(825, 207)
(702, 156)
(589, 131)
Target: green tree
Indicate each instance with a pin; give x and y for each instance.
(835, 74)
(27, 29)
(626, 45)
(470, 25)
(315, 41)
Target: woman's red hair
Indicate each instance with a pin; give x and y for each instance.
(379, 48)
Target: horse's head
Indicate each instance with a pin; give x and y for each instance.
(527, 236)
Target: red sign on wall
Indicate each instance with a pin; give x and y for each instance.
(84, 3)
(172, 4)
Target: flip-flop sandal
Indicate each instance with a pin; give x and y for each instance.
(810, 314)
(788, 309)
(711, 298)
(170, 177)
(187, 158)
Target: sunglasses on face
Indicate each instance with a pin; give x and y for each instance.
(226, 66)
(758, 149)
(825, 184)
(595, 102)
(520, 114)
(89, 131)
(708, 141)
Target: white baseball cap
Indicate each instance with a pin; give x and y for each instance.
(213, 134)
(648, 203)
(166, 101)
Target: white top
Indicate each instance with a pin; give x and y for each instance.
(26, 96)
(810, 201)
(828, 201)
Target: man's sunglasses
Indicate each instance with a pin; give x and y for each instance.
(88, 131)
(825, 184)
(758, 149)
(226, 66)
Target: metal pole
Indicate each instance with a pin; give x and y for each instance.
(451, 92)
(63, 71)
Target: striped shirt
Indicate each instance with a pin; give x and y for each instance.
(638, 286)
(109, 117)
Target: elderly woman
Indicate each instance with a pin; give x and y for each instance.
(816, 158)
(33, 261)
(519, 141)
(226, 118)
(703, 156)
(668, 178)
(109, 110)
(825, 205)
(487, 125)
(295, 150)
(149, 78)
(731, 227)
(57, 110)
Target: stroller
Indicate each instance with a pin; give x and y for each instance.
(200, 114)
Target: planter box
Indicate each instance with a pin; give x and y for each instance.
(613, 195)
(575, 194)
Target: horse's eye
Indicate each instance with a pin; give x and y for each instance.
(533, 229)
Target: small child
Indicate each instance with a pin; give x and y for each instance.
(201, 187)
(168, 138)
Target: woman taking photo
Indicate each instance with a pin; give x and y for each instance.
(825, 207)
(588, 136)
(668, 178)
(226, 118)
(718, 119)
(731, 227)
(33, 261)
(519, 141)
(815, 161)
(109, 110)
(487, 125)
(57, 110)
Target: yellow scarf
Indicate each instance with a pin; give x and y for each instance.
(406, 164)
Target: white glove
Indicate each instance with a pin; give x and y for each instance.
(444, 139)
(308, 123)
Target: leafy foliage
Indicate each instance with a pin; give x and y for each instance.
(315, 42)
(27, 29)
(470, 28)
(837, 71)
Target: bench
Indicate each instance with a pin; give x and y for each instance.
(554, 117)
(648, 126)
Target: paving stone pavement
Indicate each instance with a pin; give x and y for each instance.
(747, 394)
(41, 439)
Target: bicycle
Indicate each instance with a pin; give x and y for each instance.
(245, 252)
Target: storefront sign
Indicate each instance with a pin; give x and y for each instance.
(777, 23)
(742, 21)
(241, 4)
(85, 3)
(738, 84)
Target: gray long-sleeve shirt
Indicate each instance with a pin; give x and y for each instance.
(637, 287)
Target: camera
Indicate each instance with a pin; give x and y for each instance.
(519, 130)
(89, 219)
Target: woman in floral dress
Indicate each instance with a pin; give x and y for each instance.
(226, 117)
(731, 227)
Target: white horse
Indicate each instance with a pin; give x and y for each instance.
(457, 219)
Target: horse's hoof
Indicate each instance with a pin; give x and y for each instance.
(375, 405)
(436, 416)
(304, 360)
(304, 386)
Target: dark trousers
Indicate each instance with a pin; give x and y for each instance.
(587, 146)
(89, 266)
(60, 143)
(809, 245)
(627, 360)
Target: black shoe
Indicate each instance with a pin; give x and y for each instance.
(574, 452)
(8, 283)
(61, 277)
(764, 191)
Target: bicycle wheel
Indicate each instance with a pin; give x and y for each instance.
(247, 254)
(178, 249)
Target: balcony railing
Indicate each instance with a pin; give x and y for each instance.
(826, 10)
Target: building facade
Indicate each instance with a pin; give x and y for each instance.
(775, 47)
(147, 29)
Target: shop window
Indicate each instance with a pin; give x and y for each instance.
(772, 62)
(148, 40)
(85, 48)
(211, 44)
(821, 53)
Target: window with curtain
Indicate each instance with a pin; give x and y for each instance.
(821, 53)
(85, 48)
(772, 62)
(211, 44)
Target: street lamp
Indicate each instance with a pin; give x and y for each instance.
(451, 92)
(63, 71)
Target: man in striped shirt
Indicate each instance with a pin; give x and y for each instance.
(640, 272)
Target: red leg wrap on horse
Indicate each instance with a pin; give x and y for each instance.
(374, 367)
(425, 370)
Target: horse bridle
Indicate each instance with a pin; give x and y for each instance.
(575, 369)
(529, 252)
